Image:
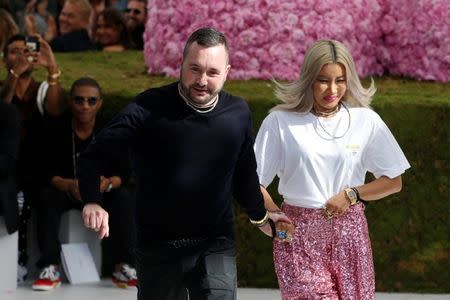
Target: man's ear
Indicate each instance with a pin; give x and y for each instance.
(227, 69)
(100, 102)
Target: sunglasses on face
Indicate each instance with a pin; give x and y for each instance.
(134, 11)
(79, 100)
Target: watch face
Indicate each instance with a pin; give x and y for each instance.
(352, 194)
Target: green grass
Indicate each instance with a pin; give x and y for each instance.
(125, 75)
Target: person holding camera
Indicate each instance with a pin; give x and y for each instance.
(68, 137)
(35, 101)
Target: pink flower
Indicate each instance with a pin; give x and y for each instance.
(269, 38)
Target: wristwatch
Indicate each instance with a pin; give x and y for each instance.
(109, 188)
(351, 196)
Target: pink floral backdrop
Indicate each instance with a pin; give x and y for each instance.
(268, 38)
(416, 38)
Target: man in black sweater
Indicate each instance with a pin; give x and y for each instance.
(193, 151)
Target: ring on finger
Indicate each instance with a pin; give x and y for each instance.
(329, 213)
(281, 234)
(288, 238)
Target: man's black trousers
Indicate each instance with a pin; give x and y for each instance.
(172, 272)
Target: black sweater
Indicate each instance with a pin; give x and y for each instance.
(188, 165)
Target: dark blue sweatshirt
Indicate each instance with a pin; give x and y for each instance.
(188, 165)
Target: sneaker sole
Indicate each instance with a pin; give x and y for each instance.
(121, 285)
(45, 287)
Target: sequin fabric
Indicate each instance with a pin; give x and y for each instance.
(327, 259)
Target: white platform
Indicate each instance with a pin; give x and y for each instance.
(105, 290)
(71, 230)
(8, 258)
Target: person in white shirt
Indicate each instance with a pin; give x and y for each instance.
(321, 142)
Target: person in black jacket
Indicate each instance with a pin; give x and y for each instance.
(70, 136)
(9, 146)
(193, 151)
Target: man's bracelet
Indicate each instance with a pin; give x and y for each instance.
(109, 188)
(261, 222)
(11, 71)
(55, 75)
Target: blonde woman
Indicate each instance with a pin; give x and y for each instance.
(321, 142)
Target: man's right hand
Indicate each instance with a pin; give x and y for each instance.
(96, 218)
(282, 223)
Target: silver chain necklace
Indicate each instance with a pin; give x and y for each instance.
(74, 153)
(331, 136)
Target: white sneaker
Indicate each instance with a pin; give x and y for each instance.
(48, 279)
(125, 277)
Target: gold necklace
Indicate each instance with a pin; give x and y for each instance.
(326, 114)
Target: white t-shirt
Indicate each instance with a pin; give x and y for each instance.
(311, 166)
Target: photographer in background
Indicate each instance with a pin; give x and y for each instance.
(35, 101)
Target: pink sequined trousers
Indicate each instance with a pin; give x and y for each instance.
(327, 259)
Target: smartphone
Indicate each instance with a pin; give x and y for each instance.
(32, 43)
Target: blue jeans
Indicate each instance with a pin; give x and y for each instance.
(195, 272)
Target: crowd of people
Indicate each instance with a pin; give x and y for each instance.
(191, 149)
(77, 25)
(50, 143)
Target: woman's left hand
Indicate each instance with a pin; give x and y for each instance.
(337, 205)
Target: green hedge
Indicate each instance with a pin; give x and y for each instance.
(409, 230)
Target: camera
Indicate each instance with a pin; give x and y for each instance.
(32, 43)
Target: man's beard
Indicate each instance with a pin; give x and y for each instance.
(187, 93)
(132, 24)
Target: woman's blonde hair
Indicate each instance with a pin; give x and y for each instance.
(8, 27)
(298, 95)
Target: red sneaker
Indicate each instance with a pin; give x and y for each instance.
(48, 279)
(125, 277)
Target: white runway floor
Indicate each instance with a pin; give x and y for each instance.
(105, 290)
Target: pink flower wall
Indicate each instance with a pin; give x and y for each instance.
(268, 38)
(416, 38)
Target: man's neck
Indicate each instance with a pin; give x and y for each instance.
(83, 129)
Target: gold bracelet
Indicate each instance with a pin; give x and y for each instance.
(55, 75)
(261, 222)
(14, 73)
